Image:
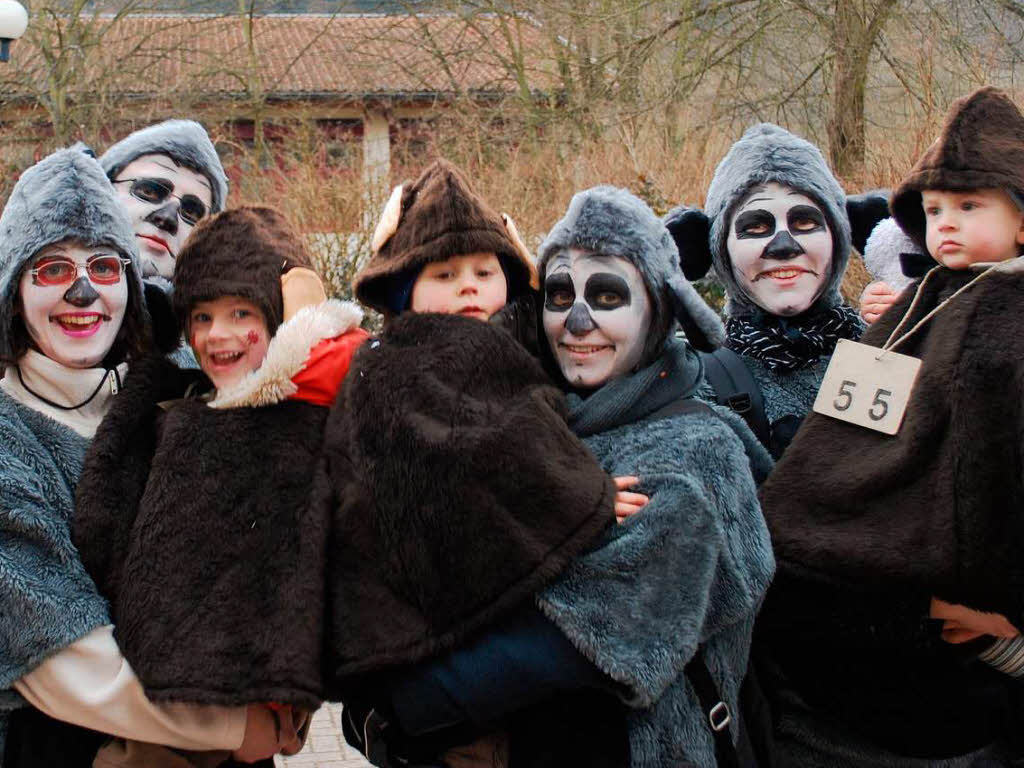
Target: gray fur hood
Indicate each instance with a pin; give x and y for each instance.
(64, 196)
(767, 153)
(614, 222)
(185, 141)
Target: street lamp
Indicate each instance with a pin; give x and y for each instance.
(13, 22)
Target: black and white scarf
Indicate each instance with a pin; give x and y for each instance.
(788, 344)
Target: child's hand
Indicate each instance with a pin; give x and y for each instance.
(875, 300)
(627, 503)
(267, 732)
(962, 624)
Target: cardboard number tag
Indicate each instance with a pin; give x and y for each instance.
(867, 388)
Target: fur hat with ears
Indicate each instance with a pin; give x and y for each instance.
(437, 217)
(615, 222)
(184, 141)
(767, 153)
(981, 146)
(240, 252)
(65, 196)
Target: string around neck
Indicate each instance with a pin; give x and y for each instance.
(89, 399)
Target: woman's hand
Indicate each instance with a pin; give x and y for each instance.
(875, 300)
(627, 504)
(962, 624)
(267, 732)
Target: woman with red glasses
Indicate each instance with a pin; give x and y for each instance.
(72, 318)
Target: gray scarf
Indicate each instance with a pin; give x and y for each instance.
(627, 399)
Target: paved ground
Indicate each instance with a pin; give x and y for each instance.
(325, 747)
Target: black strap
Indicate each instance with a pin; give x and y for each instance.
(677, 407)
(716, 711)
(736, 388)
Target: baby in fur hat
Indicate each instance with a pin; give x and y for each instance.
(192, 514)
(457, 488)
(888, 529)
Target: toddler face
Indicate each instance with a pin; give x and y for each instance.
(964, 228)
(229, 337)
(472, 285)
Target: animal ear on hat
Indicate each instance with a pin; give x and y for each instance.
(702, 326)
(300, 287)
(864, 212)
(691, 230)
(524, 254)
(388, 224)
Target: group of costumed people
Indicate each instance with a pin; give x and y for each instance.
(555, 513)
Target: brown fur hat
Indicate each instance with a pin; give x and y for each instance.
(434, 218)
(239, 252)
(981, 146)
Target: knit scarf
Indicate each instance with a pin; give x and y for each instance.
(789, 344)
(627, 399)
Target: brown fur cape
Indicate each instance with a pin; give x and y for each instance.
(937, 509)
(457, 490)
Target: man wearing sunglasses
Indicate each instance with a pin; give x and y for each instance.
(168, 177)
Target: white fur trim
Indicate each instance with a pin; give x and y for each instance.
(287, 354)
(388, 224)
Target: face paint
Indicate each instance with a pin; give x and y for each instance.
(780, 249)
(159, 230)
(73, 325)
(596, 316)
(229, 337)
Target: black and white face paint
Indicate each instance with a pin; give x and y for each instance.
(780, 248)
(596, 316)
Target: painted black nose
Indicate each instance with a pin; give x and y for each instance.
(782, 247)
(81, 293)
(579, 322)
(165, 217)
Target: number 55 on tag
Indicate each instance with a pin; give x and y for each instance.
(867, 387)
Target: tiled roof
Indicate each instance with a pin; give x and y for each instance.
(292, 56)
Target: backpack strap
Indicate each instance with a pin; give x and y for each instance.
(714, 708)
(680, 406)
(737, 389)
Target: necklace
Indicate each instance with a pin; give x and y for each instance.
(111, 375)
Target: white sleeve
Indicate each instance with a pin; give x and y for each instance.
(91, 684)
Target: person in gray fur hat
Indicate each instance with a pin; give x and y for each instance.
(72, 319)
(777, 227)
(672, 589)
(168, 177)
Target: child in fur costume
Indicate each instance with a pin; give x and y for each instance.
(877, 533)
(457, 488)
(689, 569)
(777, 227)
(192, 514)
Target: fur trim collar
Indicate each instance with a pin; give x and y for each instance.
(287, 354)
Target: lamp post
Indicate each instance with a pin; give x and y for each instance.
(13, 22)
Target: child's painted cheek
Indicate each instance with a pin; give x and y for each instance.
(252, 338)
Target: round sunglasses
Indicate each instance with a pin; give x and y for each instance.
(102, 269)
(156, 191)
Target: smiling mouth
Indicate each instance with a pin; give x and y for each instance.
(225, 358)
(81, 323)
(584, 349)
(782, 273)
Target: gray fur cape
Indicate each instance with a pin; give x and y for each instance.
(691, 568)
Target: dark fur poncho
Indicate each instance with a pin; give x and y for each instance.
(937, 509)
(456, 486)
(194, 522)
